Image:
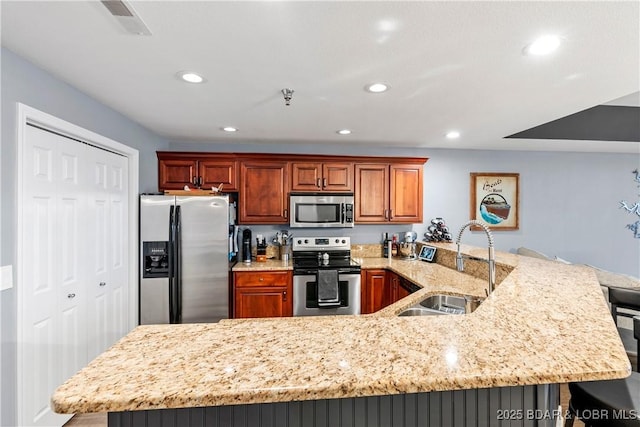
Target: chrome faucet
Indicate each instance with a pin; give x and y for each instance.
(491, 260)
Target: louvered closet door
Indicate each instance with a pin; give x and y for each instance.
(53, 312)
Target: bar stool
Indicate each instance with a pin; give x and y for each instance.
(611, 403)
(629, 299)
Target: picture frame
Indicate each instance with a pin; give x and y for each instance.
(427, 253)
(495, 200)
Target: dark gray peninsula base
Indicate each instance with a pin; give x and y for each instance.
(535, 405)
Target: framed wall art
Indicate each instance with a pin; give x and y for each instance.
(495, 200)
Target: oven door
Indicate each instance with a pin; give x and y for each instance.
(305, 295)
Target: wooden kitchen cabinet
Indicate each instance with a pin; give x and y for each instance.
(262, 294)
(381, 288)
(388, 193)
(177, 169)
(264, 192)
(330, 177)
(375, 293)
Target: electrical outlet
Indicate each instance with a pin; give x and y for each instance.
(6, 277)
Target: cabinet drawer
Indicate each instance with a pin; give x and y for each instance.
(262, 278)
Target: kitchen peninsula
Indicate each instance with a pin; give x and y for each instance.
(527, 336)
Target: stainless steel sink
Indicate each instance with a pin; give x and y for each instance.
(420, 311)
(443, 304)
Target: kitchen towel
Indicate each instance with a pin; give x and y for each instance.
(328, 294)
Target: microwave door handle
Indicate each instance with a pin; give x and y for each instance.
(344, 212)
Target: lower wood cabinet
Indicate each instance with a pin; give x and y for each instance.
(262, 294)
(374, 291)
(381, 288)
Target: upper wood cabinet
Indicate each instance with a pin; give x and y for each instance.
(386, 189)
(331, 177)
(175, 170)
(388, 193)
(264, 192)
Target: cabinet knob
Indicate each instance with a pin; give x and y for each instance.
(261, 279)
(71, 296)
(102, 284)
(284, 295)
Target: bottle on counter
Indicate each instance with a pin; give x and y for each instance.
(394, 245)
(385, 245)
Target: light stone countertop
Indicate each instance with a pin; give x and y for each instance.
(546, 322)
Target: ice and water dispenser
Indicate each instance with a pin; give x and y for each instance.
(156, 259)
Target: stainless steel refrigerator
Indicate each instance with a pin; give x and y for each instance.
(184, 256)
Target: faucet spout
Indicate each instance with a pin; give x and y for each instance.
(491, 255)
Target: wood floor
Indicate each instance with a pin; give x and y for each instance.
(88, 420)
(100, 420)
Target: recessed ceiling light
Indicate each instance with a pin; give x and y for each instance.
(377, 87)
(191, 77)
(344, 132)
(453, 134)
(230, 129)
(543, 45)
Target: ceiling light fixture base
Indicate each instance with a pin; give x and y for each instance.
(288, 93)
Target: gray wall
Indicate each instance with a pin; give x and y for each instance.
(569, 202)
(25, 83)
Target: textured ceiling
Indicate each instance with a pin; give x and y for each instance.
(451, 65)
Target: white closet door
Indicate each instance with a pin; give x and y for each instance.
(52, 312)
(74, 252)
(108, 267)
(117, 287)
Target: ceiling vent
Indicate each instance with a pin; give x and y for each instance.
(127, 17)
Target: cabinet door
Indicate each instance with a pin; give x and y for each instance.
(212, 173)
(337, 177)
(262, 294)
(406, 193)
(262, 302)
(306, 176)
(403, 290)
(375, 293)
(175, 174)
(393, 288)
(371, 193)
(264, 193)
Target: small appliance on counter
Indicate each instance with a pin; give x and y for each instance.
(246, 245)
(261, 248)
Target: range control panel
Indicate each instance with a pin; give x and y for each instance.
(321, 243)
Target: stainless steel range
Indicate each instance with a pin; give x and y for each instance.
(326, 281)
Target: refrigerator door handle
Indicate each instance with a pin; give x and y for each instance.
(178, 265)
(172, 265)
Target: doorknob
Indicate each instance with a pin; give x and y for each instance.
(71, 296)
(103, 284)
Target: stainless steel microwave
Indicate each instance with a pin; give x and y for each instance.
(321, 210)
